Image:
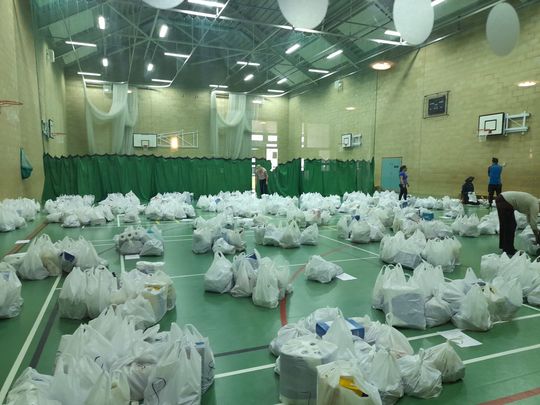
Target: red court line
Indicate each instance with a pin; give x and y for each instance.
(513, 398)
(283, 302)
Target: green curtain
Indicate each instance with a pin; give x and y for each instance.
(144, 175)
(285, 179)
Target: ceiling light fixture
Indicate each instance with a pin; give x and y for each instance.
(162, 81)
(276, 91)
(176, 55)
(241, 62)
(280, 81)
(198, 13)
(319, 71)
(218, 86)
(436, 2)
(248, 77)
(105, 62)
(101, 22)
(94, 81)
(285, 27)
(306, 30)
(382, 65)
(257, 101)
(292, 49)
(150, 67)
(207, 3)
(163, 30)
(174, 142)
(350, 108)
(89, 74)
(386, 41)
(528, 83)
(77, 43)
(334, 54)
(159, 86)
(392, 33)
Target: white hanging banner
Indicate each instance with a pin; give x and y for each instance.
(502, 29)
(304, 13)
(414, 20)
(164, 4)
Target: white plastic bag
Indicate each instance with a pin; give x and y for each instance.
(404, 305)
(10, 294)
(323, 271)
(202, 344)
(202, 241)
(310, 235)
(266, 292)
(340, 335)
(419, 378)
(387, 275)
(438, 311)
(291, 236)
(219, 277)
(360, 232)
(385, 375)
(32, 267)
(286, 333)
(473, 312)
(176, 379)
(343, 231)
(110, 389)
(100, 283)
(222, 246)
(245, 278)
(72, 298)
(444, 358)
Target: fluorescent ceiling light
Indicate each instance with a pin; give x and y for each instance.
(306, 30)
(207, 3)
(77, 43)
(528, 83)
(198, 13)
(392, 33)
(88, 74)
(382, 65)
(150, 67)
(334, 54)
(318, 71)
(329, 74)
(257, 101)
(218, 86)
(385, 41)
(101, 22)
(162, 81)
(350, 108)
(174, 142)
(276, 91)
(105, 62)
(215, 86)
(436, 2)
(285, 27)
(163, 30)
(280, 81)
(94, 81)
(241, 62)
(130, 91)
(248, 77)
(158, 86)
(176, 55)
(292, 49)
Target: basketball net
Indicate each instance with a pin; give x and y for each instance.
(483, 134)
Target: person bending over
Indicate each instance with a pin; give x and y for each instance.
(403, 182)
(494, 174)
(262, 176)
(508, 202)
(466, 188)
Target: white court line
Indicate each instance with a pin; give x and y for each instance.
(531, 307)
(15, 368)
(122, 264)
(501, 354)
(346, 244)
(188, 275)
(118, 220)
(244, 371)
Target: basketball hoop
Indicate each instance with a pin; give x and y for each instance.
(483, 134)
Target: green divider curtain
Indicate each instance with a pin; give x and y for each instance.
(144, 175)
(337, 176)
(286, 179)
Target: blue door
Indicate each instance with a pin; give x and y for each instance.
(390, 173)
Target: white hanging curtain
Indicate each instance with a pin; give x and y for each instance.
(122, 117)
(231, 135)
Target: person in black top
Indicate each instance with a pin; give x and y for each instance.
(466, 188)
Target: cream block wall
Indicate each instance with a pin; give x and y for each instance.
(19, 126)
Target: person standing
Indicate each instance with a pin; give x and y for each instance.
(466, 188)
(508, 202)
(403, 182)
(494, 174)
(262, 176)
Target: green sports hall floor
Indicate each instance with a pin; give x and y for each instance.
(507, 364)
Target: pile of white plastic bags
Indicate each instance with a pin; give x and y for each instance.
(286, 235)
(265, 280)
(315, 201)
(217, 234)
(112, 361)
(170, 206)
(10, 292)
(15, 213)
(358, 229)
(382, 364)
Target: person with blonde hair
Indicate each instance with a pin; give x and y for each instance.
(262, 176)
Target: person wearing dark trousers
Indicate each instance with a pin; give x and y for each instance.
(466, 188)
(403, 182)
(495, 185)
(508, 202)
(262, 176)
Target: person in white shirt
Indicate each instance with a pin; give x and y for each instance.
(262, 176)
(508, 202)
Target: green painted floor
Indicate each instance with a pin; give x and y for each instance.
(234, 324)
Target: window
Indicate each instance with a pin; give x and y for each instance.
(257, 137)
(272, 138)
